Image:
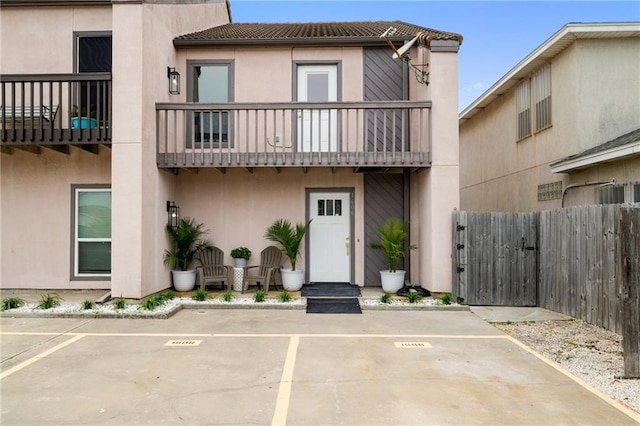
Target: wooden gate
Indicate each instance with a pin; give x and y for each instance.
(495, 258)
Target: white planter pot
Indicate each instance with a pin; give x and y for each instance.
(392, 281)
(184, 280)
(239, 262)
(292, 280)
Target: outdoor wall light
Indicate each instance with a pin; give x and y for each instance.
(173, 214)
(174, 81)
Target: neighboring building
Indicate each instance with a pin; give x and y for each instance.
(561, 128)
(267, 121)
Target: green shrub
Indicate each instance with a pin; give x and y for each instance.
(120, 303)
(88, 304)
(413, 297)
(227, 296)
(445, 299)
(200, 295)
(48, 301)
(385, 298)
(284, 296)
(11, 303)
(152, 302)
(260, 296)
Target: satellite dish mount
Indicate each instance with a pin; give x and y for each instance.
(422, 76)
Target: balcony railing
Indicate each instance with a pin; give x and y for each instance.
(55, 109)
(294, 134)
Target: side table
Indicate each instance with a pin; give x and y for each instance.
(238, 279)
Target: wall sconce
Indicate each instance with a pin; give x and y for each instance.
(173, 214)
(403, 53)
(174, 81)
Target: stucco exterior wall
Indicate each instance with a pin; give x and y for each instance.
(36, 201)
(591, 104)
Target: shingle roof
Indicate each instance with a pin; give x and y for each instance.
(620, 141)
(309, 33)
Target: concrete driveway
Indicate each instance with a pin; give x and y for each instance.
(245, 367)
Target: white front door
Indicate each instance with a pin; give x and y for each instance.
(317, 128)
(330, 237)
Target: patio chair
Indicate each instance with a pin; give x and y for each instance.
(270, 262)
(212, 268)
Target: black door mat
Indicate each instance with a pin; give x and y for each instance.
(330, 290)
(333, 306)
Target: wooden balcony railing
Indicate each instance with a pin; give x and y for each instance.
(294, 134)
(55, 109)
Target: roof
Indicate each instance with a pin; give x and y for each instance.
(622, 146)
(308, 33)
(545, 52)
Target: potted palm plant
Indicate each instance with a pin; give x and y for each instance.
(288, 238)
(240, 256)
(187, 242)
(392, 243)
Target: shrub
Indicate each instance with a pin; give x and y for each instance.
(241, 253)
(88, 304)
(11, 303)
(413, 297)
(284, 296)
(152, 302)
(260, 296)
(445, 299)
(120, 303)
(48, 301)
(385, 298)
(200, 295)
(227, 296)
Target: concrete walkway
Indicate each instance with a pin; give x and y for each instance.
(264, 367)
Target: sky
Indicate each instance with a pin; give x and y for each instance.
(497, 34)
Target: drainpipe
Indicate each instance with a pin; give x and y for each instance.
(579, 185)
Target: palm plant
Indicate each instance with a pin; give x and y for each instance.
(283, 233)
(392, 237)
(187, 243)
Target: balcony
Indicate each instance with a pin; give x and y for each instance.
(361, 135)
(55, 111)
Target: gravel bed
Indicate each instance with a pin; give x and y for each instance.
(589, 352)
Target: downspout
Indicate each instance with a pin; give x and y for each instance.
(579, 185)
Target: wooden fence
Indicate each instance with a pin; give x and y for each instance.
(587, 265)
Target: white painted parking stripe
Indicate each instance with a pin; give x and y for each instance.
(284, 391)
(40, 356)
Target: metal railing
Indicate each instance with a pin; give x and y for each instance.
(55, 109)
(294, 134)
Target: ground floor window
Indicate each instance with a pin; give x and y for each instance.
(92, 232)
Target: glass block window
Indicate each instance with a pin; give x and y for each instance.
(523, 110)
(541, 93)
(550, 191)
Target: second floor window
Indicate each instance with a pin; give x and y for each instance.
(533, 103)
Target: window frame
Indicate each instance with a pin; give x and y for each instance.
(190, 136)
(523, 110)
(75, 274)
(541, 98)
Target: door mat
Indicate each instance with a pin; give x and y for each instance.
(333, 306)
(330, 290)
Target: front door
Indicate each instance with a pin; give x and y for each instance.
(330, 247)
(317, 128)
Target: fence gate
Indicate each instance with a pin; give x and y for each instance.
(495, 258)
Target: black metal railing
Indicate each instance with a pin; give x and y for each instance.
(297, 134)
(55, 109)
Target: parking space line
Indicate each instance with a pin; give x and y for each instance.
(284, 391)
(40, 356)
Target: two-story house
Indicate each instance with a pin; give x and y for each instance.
(561, 128)
(127, 107)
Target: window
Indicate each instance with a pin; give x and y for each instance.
(535, 92)
(330, 207)
(541, 92)
(210, 82)
(91, 232)
(635, 192)
(523, 110)
(612, 194)
(550, 191)
(92, 53)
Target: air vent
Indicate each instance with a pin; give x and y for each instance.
(183, 343)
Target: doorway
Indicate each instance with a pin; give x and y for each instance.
(317, 129)
(330, 248)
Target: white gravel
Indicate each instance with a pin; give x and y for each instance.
(589, 352)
